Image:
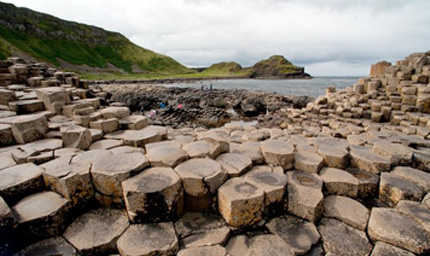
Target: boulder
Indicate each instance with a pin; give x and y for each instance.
(27, 128)
(278, 152)
(339, 182)
(234, 164)
(346, 210)
(52, 246)
(394, 188)
(166, 156)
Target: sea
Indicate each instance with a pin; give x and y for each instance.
(298, 87)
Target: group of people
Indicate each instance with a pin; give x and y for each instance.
(204, 87)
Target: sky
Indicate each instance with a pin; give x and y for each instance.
(327, 37)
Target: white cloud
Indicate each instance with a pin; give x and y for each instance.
(331, 37)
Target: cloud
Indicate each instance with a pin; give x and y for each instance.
(328, 37)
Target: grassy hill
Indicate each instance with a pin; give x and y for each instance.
(75, 46)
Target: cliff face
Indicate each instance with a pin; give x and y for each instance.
(71, 45)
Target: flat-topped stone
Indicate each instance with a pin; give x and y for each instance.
(240, 203)
(162, 143)
(300, 235)
(394, 188)
(23, 107)
(201, 176)
(154, 195)
(115, 112)
(339, 182)
(251, 150)
(305, 197)
(421, 178)
(149, 239)
(36, 148)
(234, 164)
(105, 125)
(367, 182)
(393, 227)
(76, 137)
(278, 152)
(42, 215)
(308, 162)
(52, 246)
(383, 249)
(134, 122)
(417, 211)
(347, 210)
(27, 128)
(201, 148)
(215, 250)
(136, 138)
(341, 239)
(20, 180)
(335, 157)
(364, 159)
(97, 231)
(396, 153)
(105, 144)
(166, 156)
(54, 98)
(6, 161)
(269, 245)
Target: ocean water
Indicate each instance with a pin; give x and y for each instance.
(310, 87)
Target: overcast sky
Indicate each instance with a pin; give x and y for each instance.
(327, 37)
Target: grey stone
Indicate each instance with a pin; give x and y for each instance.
(203, 251)
(48, 247)
(417, 211)
(308, 162)
(347, 210)
(383, 249)
(234, 164)
(394, 188)
(421, 178)
(334, 156)
(27, 128)
(269, 245)
(278, 152)
(339, 182)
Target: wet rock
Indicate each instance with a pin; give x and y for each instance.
(52, 246)
(27, 128)
(76, 137)
(269, 245)
(97, 231)
(278, 152)
(383, 249)
(393, 227)
(422, 179)
(240, 203)
(339, 182)
(300, 235)
(394, 188)
(417, 211)
(166, 156)
(148, 239)
(305, 198)
(42, 215)
(366, 160)
(201, 149)
(396, 153)
(347, 210)
(341, 239)
(203, 251)
(234, 164)
(154, 195)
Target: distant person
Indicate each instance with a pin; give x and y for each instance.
(211, 87)
(180, 106)
(202, 88)
(162, 106)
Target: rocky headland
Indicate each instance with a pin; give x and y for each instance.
(81, 173)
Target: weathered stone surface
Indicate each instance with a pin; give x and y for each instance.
(52, 246)
(251, 150)
(269, 245)
(106, 125)
(138, 138)
(396, 153)
(240, 203)
(367, 182)
(172, 143)
(115, 112)
(383, 249)
(54, 98)
(134, 122)
(154, 195)
(339, 182)
(341, 239)
(300, 235)
(42, 215)
(108, 172)
(394, 188)
(203, 251)
(6, 96)
(201, 148)
(378, 69)
(166, 156)
(278, 152)
(393, 227)
(22, 107)
(422, 179)
(347, 210)
(76, 137)
(6, 135)
(366, 160)
(201, 176)
(234, 164)
(6, 217)
(37, 149)
(305, 198)
(6, 161)
(148, 239)
(105, 144)
(96, 232)
(238, 245)
(27, 128)
(19, 181)
(426, 200)
(334, 156)
(417, 211)
(308, 162)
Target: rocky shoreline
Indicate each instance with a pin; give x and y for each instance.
(348, 174)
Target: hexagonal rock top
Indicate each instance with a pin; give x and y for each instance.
(138, 138)
(42, 215)
(201, 176)
(52, 246)
(347, 210)
(97, 231)
(278, 152)
(166, 156)
(308, 162)
(154, 195)
(396, 153)
(27, 128)
(269, 245)
(109, 172)
(421, 178)
(367, 182)
(203, 251)
(240, 203)
(364, 159)
(149, 239)
(300, 235)
(202, 148)
(394, 188)
(383, 249)
(234, 164)
(339, 182)
(393, 227)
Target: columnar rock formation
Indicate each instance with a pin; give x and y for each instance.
(79, 176)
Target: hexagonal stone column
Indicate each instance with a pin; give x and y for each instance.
(134, 122)
(42, 215)
(367, 182)
(347, 210)
(201, 178)
(395, 228)
(106, 125)
(421, 178)
(234, 164)
(154, 195)
(308, 162)
(115, 112)
(396, 153)
(336, 157)
(52, 246)
(20, 180)
(269, 245)
(290, 228)
(96, 232)
(166, 156)
(76, 137)
(54, 98)
(394, 188)
(251, 150)
(240, 203)
(108, 173)
(149, 239)
(339, 182)
(273, 182)
(204, 250)
(201, 148)
(27, 128)
(364, 159)
(278, 152)
(305, 198)
(383, 249)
